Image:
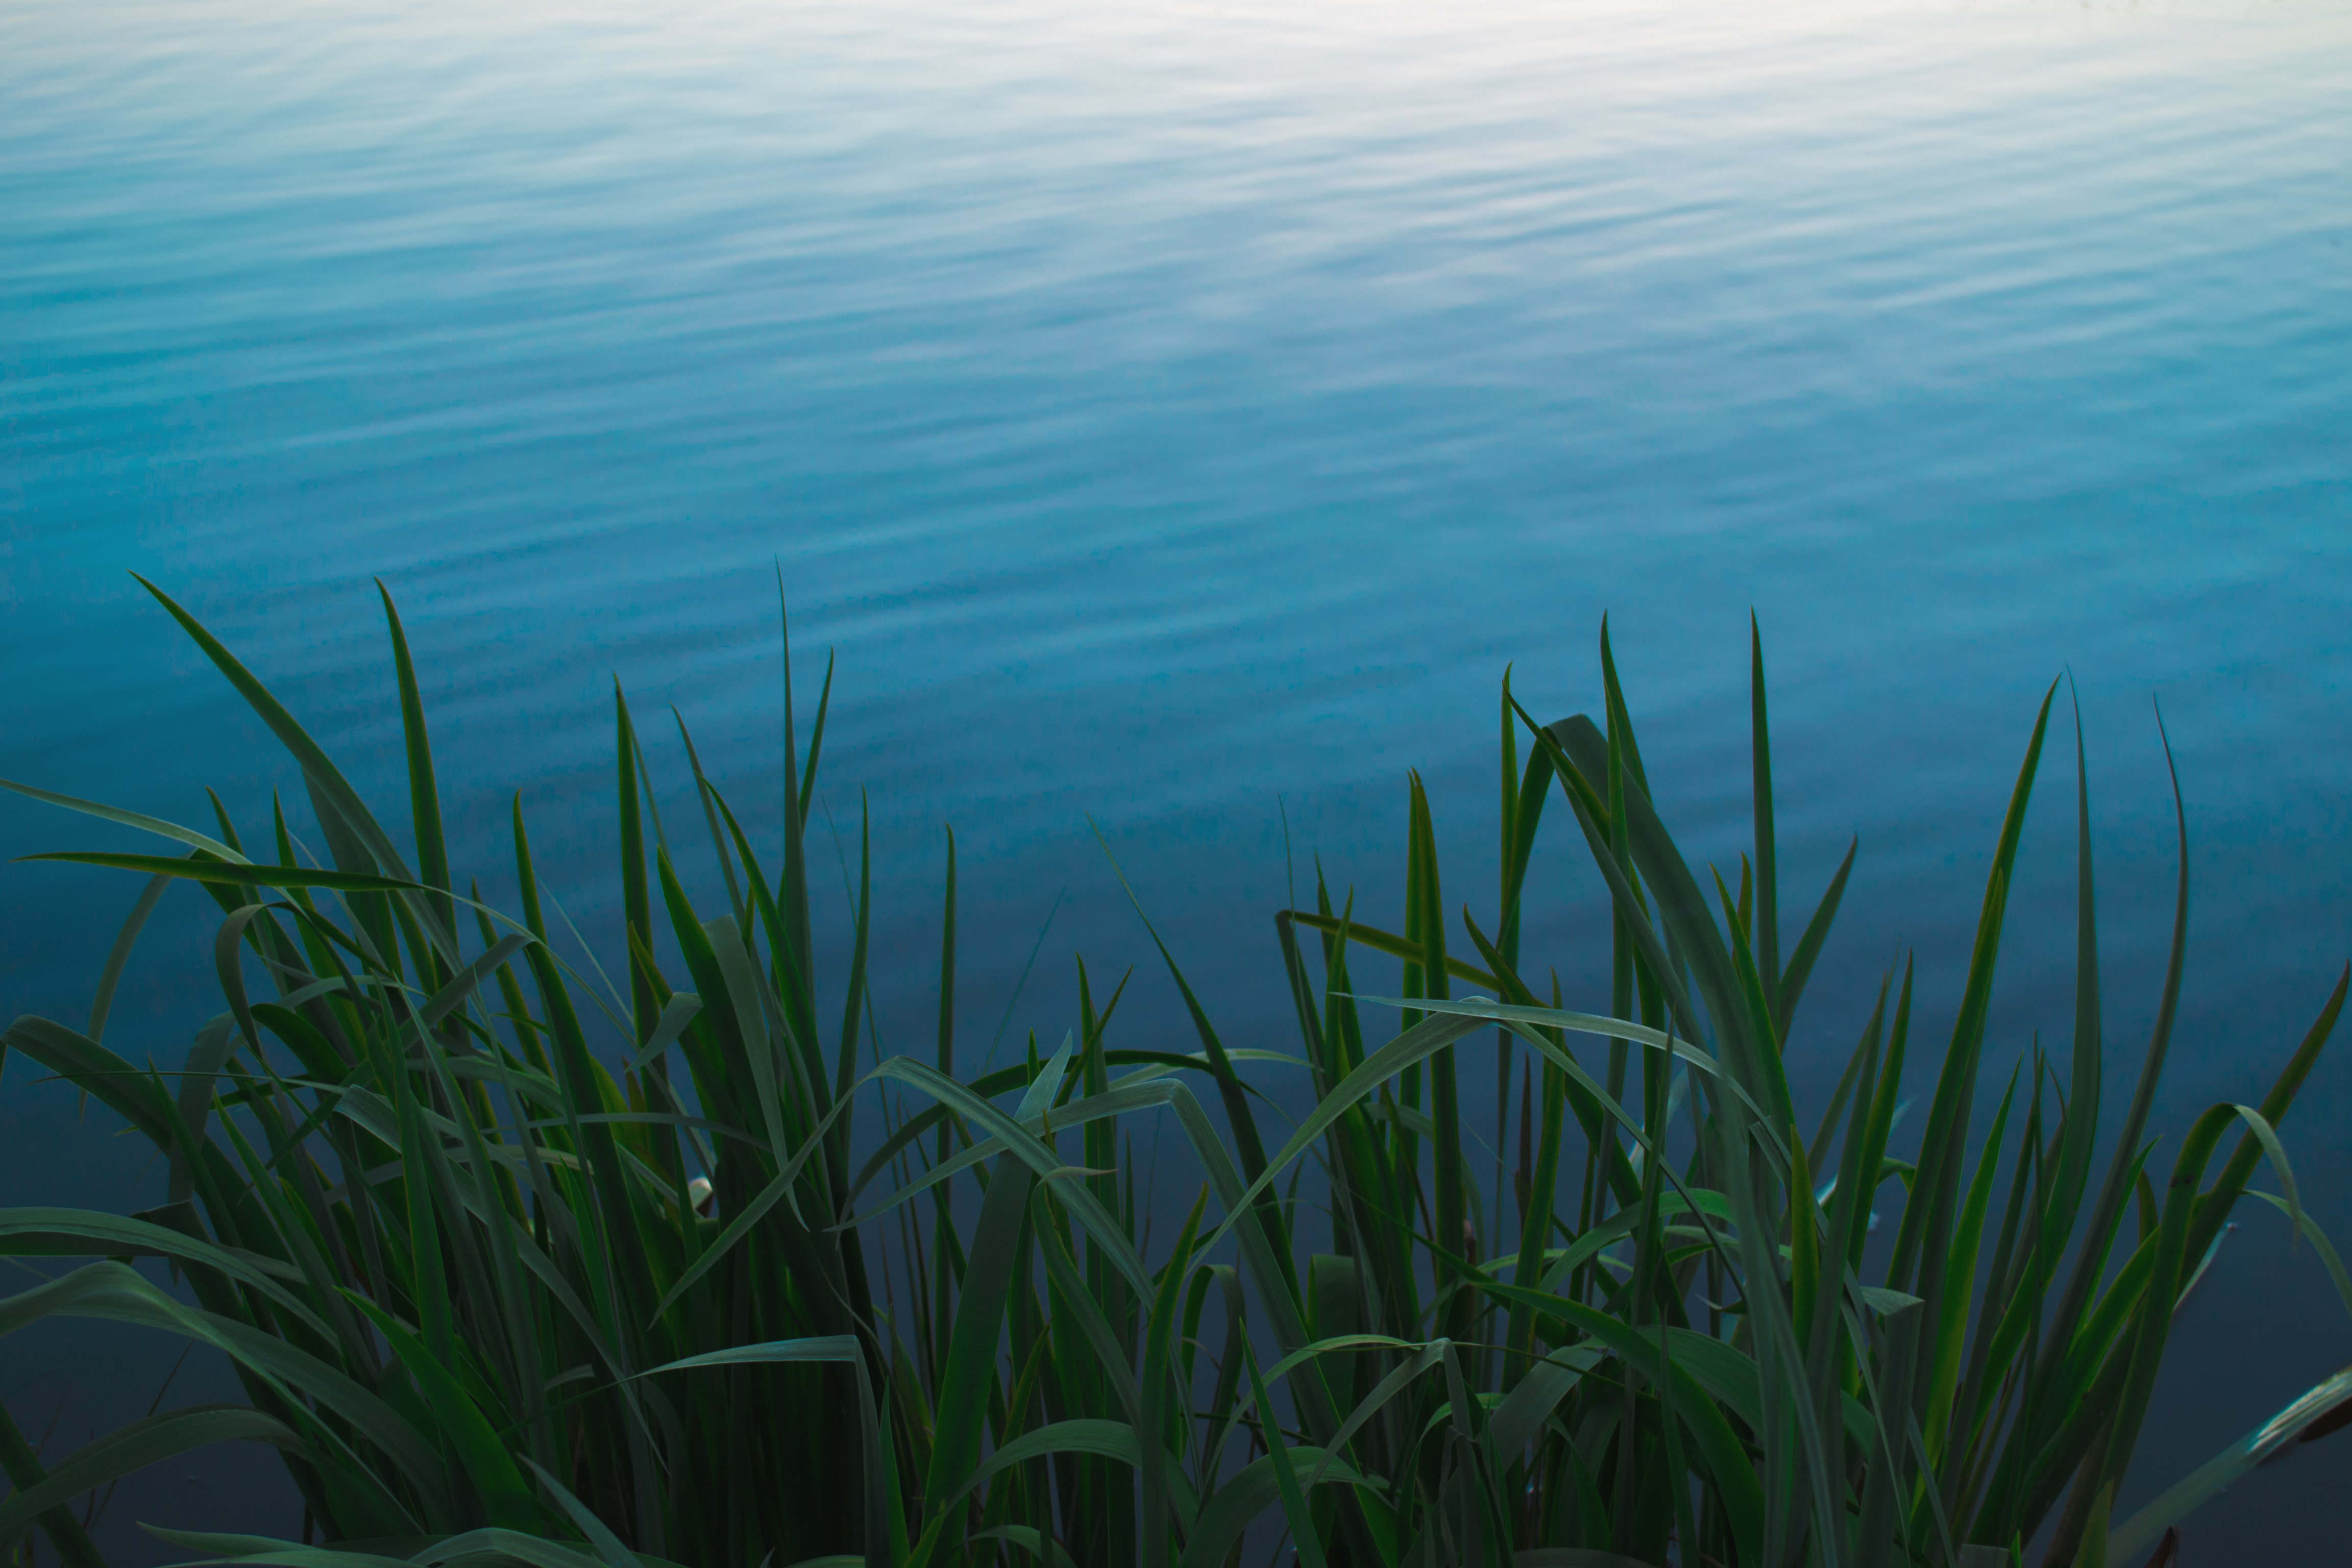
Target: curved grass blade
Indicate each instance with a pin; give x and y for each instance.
(115, 1291)
(1251, 1490)
(119, 956)
(145, 824)
(845, 1350)
(237, 873)
(133, 1447)
(2176, 1501)
(609, 1549)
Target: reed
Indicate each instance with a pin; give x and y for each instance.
(459, 1260)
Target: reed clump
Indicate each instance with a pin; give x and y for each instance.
(462, 1263)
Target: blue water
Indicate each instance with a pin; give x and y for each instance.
(1179, 415)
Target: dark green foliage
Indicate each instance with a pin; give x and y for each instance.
(461, 1262)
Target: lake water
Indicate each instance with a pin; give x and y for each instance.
(1179, 415)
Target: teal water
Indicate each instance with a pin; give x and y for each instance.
(1180, 414)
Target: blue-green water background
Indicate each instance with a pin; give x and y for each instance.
(1180, 414)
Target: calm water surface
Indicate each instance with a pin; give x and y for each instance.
(1180, 414)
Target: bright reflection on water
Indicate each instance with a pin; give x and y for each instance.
(1172, 411)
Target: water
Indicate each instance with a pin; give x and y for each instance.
(1179, 415)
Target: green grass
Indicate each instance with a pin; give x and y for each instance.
(454, 1256)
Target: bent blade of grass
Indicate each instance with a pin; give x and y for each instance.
(2212, 1209)
(1416, 1045)
(1255, 1488)
(1102, 1226)
(681, 1009)
(2276, 1151)
(237, 873)
(1388, 942)
(1673, 1045)
(1091, 1435)
(116, 1293)
(1130, 1096)
(1555, 1055)
(1726, 1461)
(1016, 1140)
(494, 1547)
(81, 1233)
(842, 1349)
(2154, 1317)
(1041, 1547)
(2311, 1231)
(2140, 1532)
(1521, 1414)
(262, 1549)
(608, 1547)
(119, 956)
(139, 820)
(134, 1448)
